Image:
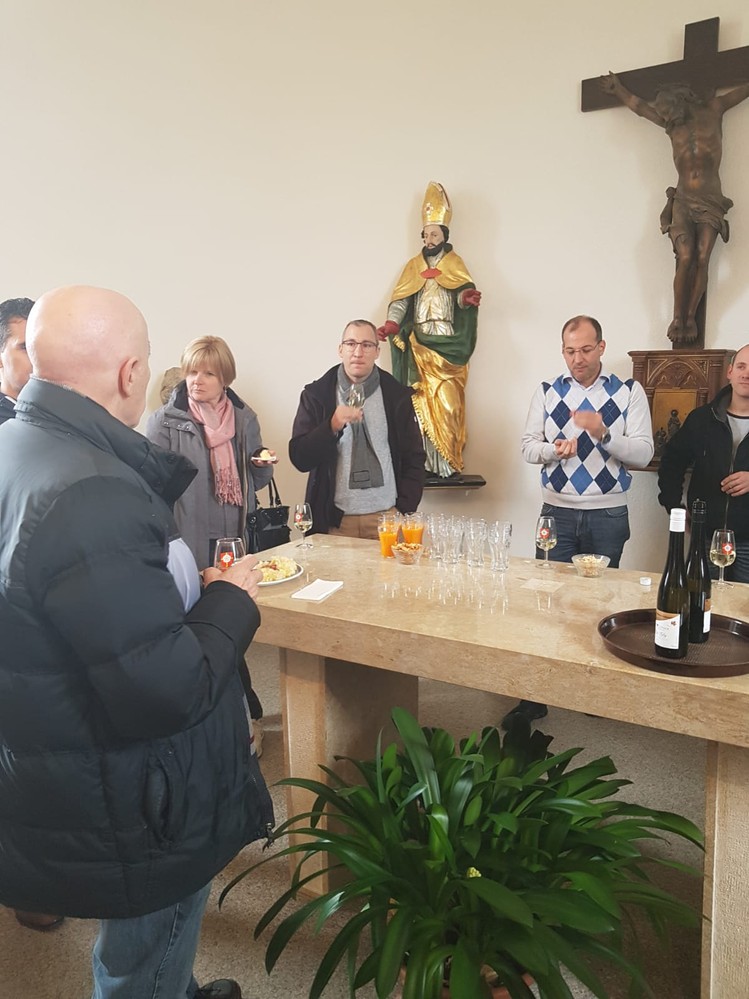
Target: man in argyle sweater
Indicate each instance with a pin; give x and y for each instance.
(585, 429)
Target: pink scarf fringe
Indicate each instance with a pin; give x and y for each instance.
(219, 428)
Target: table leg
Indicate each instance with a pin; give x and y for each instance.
(725, 945)
(333, 708)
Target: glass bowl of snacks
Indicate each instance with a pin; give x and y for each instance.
(590, 566)
(407, 553)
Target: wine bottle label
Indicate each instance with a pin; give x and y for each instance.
(667, 628)
(706, 618)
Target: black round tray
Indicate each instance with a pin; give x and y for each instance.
(629, 635)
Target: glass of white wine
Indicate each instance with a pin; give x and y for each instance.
(546, 537)
(723, 553)
(303, 522)
(355, 396)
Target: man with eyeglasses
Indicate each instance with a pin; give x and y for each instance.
(356, 434)
(585, 429)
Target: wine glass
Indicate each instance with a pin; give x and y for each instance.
(723, 553)
(546, 537)
(303, 522)
(355, 396)
(227, 551)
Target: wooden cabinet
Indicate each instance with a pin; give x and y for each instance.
(676, 382)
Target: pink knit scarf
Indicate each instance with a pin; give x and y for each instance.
(219, 429)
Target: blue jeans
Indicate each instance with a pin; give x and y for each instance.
(150, 957)
(595, 532)
(739, 571)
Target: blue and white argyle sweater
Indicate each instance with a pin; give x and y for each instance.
(593, 473)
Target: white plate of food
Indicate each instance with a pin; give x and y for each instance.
(278, 570)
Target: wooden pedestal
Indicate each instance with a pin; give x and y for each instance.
(676, 382)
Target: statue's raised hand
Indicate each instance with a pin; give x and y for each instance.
(611, 84)
(389, 329)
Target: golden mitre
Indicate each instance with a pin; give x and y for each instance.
(436, 209)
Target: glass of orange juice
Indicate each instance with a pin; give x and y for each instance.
(387, 528)
(413, 528)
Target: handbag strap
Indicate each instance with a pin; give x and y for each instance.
(275, 497)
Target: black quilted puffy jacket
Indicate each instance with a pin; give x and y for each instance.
(126, 779)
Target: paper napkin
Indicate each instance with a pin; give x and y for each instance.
(319, 590)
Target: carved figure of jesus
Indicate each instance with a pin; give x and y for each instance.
(696, 208)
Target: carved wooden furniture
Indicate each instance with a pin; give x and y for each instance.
(676, 382)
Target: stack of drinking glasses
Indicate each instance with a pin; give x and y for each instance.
(475, 539)
(499, 536)
(454, 528)
(434, 536)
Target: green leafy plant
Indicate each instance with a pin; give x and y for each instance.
(493, 852)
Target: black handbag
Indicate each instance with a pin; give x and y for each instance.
(267, 526)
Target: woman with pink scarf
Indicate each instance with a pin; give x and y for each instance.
(209, 424)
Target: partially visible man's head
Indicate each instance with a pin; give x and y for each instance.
(359, 349)
(94, 341)
(15, 366)
(738, 374)
(582, 347)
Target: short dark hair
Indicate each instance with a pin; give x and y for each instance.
(10, 309)
(573, 323)
(360, 322)
(445, 230)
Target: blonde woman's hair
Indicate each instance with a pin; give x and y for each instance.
(209, 353)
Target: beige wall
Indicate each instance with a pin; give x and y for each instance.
(256, 170)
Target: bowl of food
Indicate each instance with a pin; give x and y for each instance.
(590, 566)
(407, 552)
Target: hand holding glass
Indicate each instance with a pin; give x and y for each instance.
(303, 522)
(546, 537)
(723, 553)
(227, 551)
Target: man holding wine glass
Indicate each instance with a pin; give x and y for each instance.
(125, 761)
(356, 433)
(714, 441)
(585, 429)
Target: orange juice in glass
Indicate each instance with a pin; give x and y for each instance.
(387, 528)
(413, 528)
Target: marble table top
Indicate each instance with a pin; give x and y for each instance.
(527, 632)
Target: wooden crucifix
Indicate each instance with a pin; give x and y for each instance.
(680, 97)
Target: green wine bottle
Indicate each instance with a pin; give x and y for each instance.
(698, 577)
(672, 606)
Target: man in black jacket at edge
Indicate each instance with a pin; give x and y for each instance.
(715, 441)
(363, 459)
(15, 371)
(127, 779)
(14, 362)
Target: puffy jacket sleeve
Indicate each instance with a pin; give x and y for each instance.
(156, 431)
(313, 442)
(97, 569)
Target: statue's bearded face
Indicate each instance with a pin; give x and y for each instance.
(434, 239)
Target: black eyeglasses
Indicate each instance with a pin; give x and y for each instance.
(366, 345)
